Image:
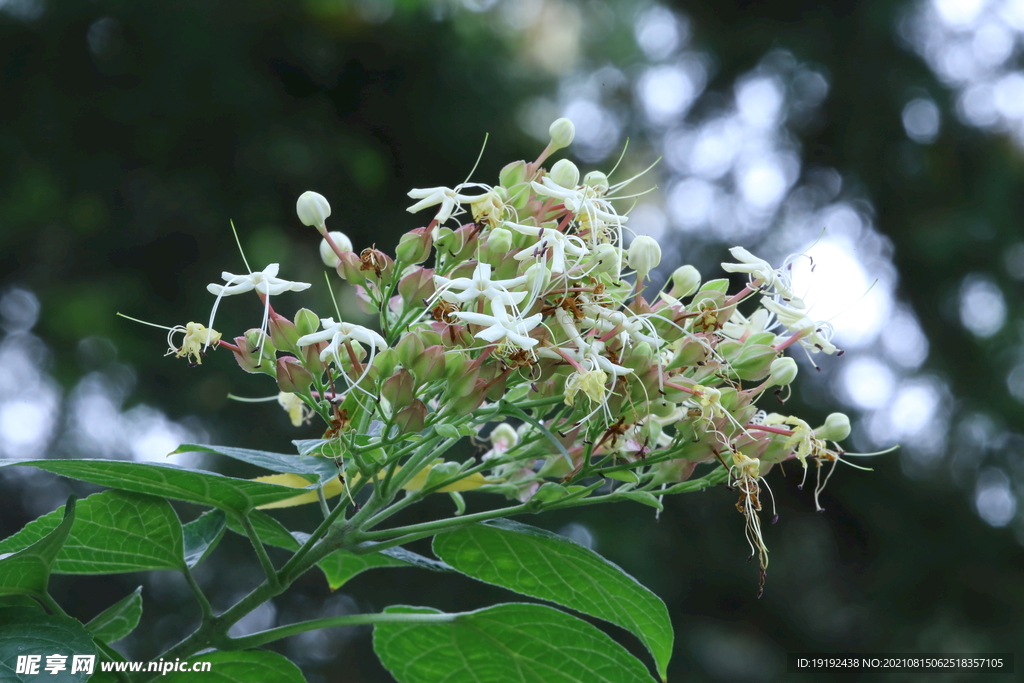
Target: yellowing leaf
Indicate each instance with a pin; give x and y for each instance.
(331, 489)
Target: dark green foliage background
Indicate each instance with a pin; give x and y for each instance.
(119, 171)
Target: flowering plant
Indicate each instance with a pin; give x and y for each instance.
(535, 330)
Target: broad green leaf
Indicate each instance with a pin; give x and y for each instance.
(340, 566)
(319, 448)
(32, 632)
(28, 570)
(118, 620)
(512, 643)
(167, 481)
(544, 565)
(9, 601)
(319, 469)
(202, 535)
(114, 532)
(248, 666)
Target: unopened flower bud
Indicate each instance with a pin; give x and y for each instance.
(311, 357)
(327, 253)
(414, 246)
(565, 173)
(350, 268)
(782, 373)
(597, 180)
(513, 174)
(607, 258)
(410, 419)
(313, 210)
(283, 333)
(385, 362)
(408, 349)
(639, 357)
(417, 285)
(398, 389)
(499, 241)
(504, 436)
(455, 363)
(836, 428)
(292, 377)
(429, 365)
(685, 281)
(465, 403)
(644, 255)
(562, 132)
(306, 322)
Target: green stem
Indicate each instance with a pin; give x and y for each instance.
(269, 636)
(261, 552)
(324, 508)
(204, 604)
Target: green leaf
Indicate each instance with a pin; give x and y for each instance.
(118, 620)
(341, 566)
(202, 535)
(512, 643)
(322, 470)
(113, 532)
(270, 531)
(643, 497)
(448, 431)
(544, 565)
(32, 632)
(28, 570)
(319, 448)
(249, 666)
(169, 481)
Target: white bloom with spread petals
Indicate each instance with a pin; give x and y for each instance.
(264, 281)
(450, 199)
(759, 269)
(812, 336)
(340, 333)
(499, 326)
(560, 244)
(480, 284)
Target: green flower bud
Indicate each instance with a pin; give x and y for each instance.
(410, 419)
(836, 428)
(385, 362)
(685, 281)
(398, 389)
(639, 357)
(313, 210)
(644, 255)
(499, 241)
(292, 376)
(311, 358)
(606, 258)
(306, 322)
(408, 349)
(429, 365)
(690, 352)
(283, 333)
(327, 253)
(455, 363)
(350, 268)
(565, 173)
(414, 246)
(782, 372)
(754, 361)
(598, 180)
(464, 404)
(562, 132)
(417, 285)
(513, 174)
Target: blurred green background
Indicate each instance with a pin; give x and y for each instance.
(885, 139)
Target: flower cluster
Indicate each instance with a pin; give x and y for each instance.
(525, 313)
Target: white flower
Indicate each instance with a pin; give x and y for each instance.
(812, 336)
(340, 333)
(479, 285)
(740, 326)
(500, 327)
(264, 281)
(759, 269)
(449, 199)
(560, 244)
